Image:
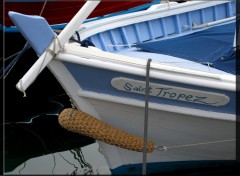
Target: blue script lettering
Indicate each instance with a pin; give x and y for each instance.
(199, 100)
(162, 92)
(170, 94)
(129, 87)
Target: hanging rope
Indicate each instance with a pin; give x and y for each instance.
(144, 168)
(53, 52)
(45, 2)
(83, 123)
(9, 67)
(7, 70)
(160, 148)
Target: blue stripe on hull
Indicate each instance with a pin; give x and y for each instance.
(99, 80)
(177, 167)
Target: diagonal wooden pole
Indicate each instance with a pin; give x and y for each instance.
(63, 37)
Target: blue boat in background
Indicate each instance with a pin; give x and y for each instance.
(165, 76)
(59, 12)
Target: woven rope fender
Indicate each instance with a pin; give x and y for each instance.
(85, 124)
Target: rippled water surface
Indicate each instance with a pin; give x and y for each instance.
(39, 145)
(34, 142)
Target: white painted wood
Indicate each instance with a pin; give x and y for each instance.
(91, 28)
(63, 37)
(156, 106)
(167, 129)
(158, 70)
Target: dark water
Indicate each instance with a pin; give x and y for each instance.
(31, 128)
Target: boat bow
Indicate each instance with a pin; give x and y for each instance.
(53, 48)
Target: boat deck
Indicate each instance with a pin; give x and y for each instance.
(166, 59)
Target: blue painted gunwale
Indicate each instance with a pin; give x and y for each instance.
(123, 37)
(176, 167)
(99, 80)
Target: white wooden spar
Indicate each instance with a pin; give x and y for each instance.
(63, 37)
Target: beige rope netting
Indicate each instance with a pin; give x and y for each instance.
(85, 124)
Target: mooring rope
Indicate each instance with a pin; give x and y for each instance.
(19, 53)
(22, 89)
(53, 52)
(160, 148)
(43, 8)
(116, 45)
(9, 67)
(85, 124)
(168, 4)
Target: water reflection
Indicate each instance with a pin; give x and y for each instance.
(41, 135)
(34, 142)
(77, 161)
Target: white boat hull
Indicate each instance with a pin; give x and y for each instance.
(191, 106)
(186, 136)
